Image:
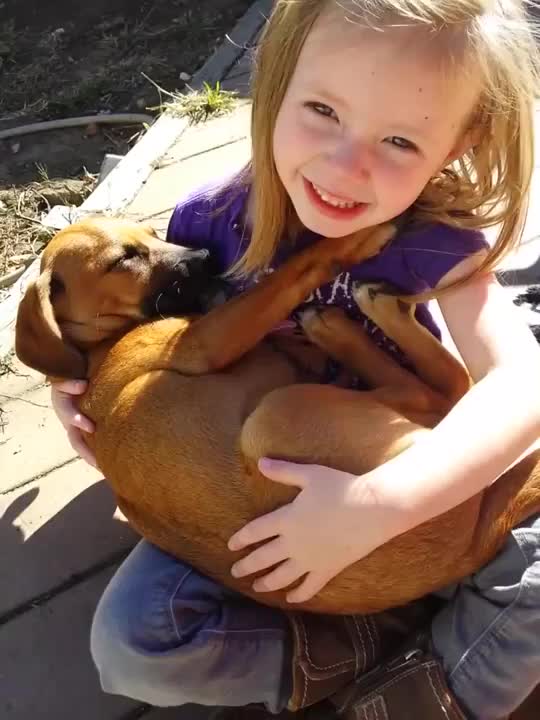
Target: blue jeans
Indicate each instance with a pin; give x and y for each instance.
(165, 635)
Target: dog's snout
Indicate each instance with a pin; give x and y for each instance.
(181, 281)
(181, 259)
(188, 257)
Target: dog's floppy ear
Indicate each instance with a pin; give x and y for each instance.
(38, 342)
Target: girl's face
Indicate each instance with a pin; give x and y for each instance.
(368, 118)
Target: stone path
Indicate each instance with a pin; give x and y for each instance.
(60, 535)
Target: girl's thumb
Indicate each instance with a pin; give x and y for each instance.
(284, 472)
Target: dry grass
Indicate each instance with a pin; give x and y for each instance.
(22, 234)
(197, 106)
(94, 60)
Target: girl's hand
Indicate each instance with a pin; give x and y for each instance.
(333, 522)
(64, 406)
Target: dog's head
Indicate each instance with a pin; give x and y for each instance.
(99, 278)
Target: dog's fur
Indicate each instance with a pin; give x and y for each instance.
(185, 406)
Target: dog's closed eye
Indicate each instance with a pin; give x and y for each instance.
(121, 261)
(57, 286)
(131, 251)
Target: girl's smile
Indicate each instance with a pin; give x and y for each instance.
(333, 206)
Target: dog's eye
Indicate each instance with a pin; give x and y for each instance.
(57, 285)
(130, 252)
(121, 262)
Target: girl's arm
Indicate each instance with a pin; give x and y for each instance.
(338, 518)
(495, 423)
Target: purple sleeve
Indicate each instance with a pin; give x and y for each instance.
(207, 218)
(190, 223)
(432, 251)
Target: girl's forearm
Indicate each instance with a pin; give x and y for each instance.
(486, 432)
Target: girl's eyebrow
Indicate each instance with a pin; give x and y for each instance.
(414, 130)
(328, 97)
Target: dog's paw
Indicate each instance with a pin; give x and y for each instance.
(378, 301)
(317, 323)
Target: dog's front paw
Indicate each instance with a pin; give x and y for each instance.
(319, 323)
(379, 302)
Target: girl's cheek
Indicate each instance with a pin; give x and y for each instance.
(405, 177)
(317, 130)
(307, 127)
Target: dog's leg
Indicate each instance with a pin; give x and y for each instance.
(437, 367)
(226, 333)
(393, 385)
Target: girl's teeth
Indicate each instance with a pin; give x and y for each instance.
(331, 200)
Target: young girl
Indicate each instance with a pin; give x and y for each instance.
(363, 110)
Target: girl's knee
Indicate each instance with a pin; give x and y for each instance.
(487, 633)
(507, 580)
(110, 651)
(133, 628)
(135, 656)
(116, 653)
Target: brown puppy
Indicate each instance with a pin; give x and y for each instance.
(185, 406)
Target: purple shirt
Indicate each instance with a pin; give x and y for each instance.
(212, 217)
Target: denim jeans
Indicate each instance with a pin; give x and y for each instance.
(166, 635)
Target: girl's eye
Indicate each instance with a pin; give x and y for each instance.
(401, 143)
(322, 109)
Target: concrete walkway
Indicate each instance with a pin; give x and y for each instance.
(60, 536)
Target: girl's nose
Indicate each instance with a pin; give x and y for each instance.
(353, 158)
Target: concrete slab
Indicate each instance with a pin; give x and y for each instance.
(241, 37)
(33, 441)
(243, 66)
(17, 379)
(54, 530)
(210, 135)
(46, 671)
(59, 533)
(240, 84)
(167, 185)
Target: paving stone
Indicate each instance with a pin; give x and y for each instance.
(46, 672)
(56, 528)
(160, 195)
(17, 379)
(33, 441)
(210, 135)
(240, 84)
(243, 66)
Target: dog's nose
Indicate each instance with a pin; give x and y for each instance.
(183, 288)
(188, 255)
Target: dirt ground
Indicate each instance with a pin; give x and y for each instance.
(61, 59)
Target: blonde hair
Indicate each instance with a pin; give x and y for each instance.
(487, 186)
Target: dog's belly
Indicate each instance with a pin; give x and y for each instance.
(168, 441)
(162, 422)
(169, 446)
